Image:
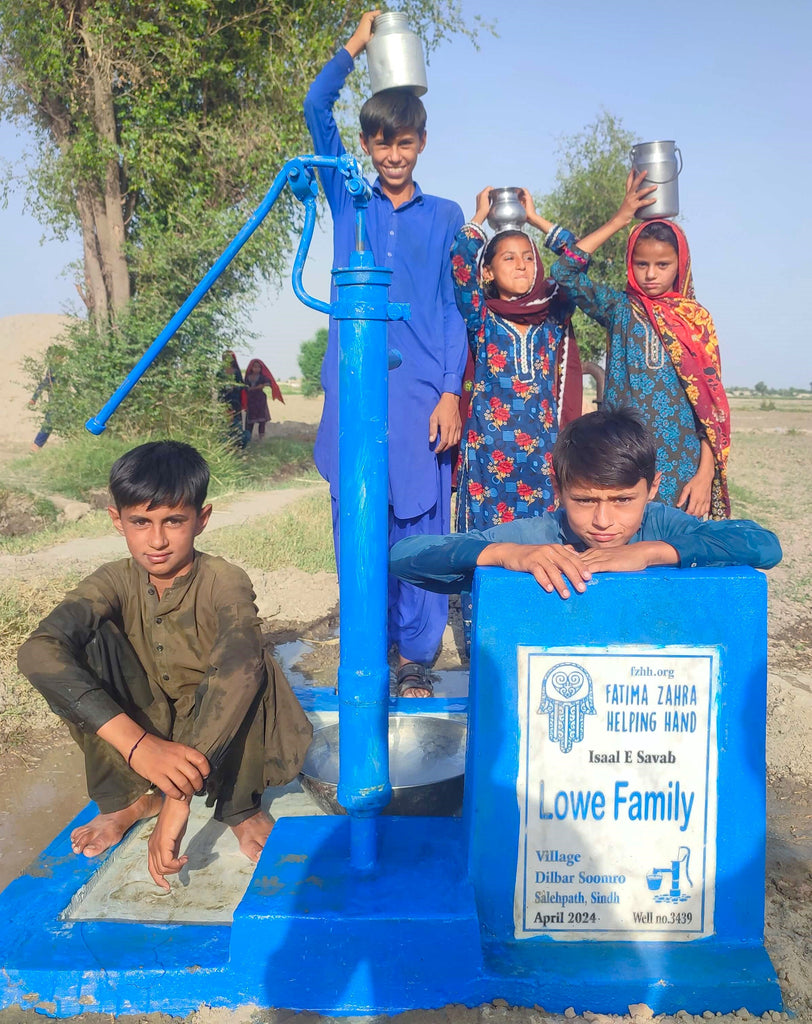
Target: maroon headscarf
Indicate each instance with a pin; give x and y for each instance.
(533, 308)
(270, 379)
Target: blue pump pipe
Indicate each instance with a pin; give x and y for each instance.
(362, 310)
(298, 173)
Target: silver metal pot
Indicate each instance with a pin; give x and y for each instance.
(395, 55)
(426, 766)
(507, 211)
(659, 159)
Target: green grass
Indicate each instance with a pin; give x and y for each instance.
(74, 469)
(278, 462)
(759, 403)
(22, 604)
(300, 537)
(19, 501)
(81, 465)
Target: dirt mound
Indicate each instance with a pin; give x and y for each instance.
(21, 514)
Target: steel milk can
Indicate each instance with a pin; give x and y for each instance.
(395, 55)
(660, 160)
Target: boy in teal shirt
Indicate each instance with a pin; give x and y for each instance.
(605, 468)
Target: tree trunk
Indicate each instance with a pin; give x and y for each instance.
(95, 288)
(108, 207)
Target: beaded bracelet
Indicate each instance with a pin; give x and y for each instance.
(130, 755)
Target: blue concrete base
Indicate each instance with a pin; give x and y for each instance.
(64, 968)
(309, 935)
(608, 977)
(334, 942)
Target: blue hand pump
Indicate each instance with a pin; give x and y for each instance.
(362, 309)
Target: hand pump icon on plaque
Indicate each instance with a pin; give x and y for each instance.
(674, 894)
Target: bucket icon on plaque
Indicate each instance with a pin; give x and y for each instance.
(659, 160)
(395, 55)
(566, 697)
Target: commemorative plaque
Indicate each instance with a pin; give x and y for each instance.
(617, 793)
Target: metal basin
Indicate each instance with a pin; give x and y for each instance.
(426, 766)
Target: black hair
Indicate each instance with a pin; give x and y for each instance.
(660, 233)
(391, 112)
(160, 473)
(489, 253)
(607, 448)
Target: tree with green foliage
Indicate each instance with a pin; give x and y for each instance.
(159, 126)
(311, 356)
(590, 185)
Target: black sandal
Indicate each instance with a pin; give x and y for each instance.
(414, 676)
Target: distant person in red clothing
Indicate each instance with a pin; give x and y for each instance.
(257, 378)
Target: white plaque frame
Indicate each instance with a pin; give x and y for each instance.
(617, 779)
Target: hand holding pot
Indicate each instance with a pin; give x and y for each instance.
(533, 218)
(361, 36)
(483, 205)
(638, 195)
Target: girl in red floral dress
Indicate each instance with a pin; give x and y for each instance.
(517, 319)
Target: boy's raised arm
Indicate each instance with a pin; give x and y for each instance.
(358, 41)
(318, 108)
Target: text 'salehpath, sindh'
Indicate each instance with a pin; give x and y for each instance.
(617, 793)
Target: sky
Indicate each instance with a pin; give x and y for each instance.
(729, 80)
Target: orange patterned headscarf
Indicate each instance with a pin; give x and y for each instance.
(687, 332)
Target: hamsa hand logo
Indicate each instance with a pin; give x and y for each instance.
(566, 697)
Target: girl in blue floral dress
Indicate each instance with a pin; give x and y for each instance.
(516, 320)
(663, 354)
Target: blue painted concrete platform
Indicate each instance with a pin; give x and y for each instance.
(309, 936)
(434, 924)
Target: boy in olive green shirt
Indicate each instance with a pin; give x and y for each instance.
(156, 663)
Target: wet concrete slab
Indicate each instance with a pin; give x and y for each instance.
(207, 889)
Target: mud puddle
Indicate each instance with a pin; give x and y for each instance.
(40, 792)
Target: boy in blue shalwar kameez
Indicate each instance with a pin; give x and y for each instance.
(411, 233)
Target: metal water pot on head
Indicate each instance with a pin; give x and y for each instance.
(507, 210)
(659, 159)
(395, 55)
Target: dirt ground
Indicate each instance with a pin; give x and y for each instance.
(772, 455)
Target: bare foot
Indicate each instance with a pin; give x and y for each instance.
(105, 830)
(253, 833)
